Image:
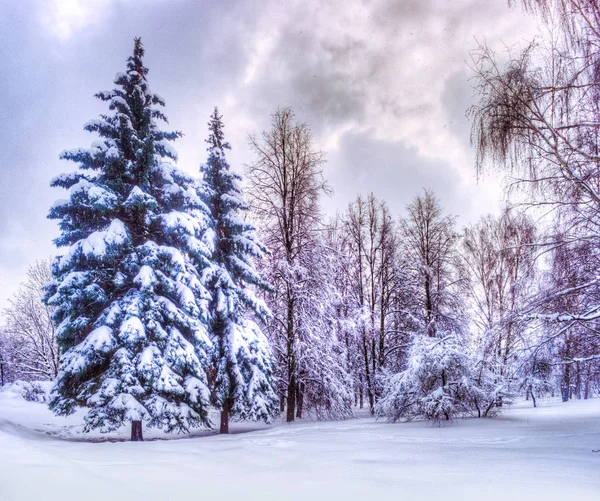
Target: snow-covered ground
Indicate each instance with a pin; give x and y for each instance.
(529, 454)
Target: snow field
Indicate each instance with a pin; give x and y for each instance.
(544, 453)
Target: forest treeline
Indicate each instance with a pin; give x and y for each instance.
(175, 294)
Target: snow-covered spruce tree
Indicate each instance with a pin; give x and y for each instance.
(242, 382)
(130, 306)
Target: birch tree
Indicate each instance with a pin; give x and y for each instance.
(538, 119)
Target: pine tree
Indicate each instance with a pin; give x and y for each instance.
(243, 380)
(130, 305)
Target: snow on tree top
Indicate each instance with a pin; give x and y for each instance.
(145, 277)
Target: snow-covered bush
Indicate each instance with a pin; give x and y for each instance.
(437, 384)
(35, 392)
(537, 374)
(32, 391)
(490, 390)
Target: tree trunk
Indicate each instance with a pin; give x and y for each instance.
(299, 399)
(382, 315)
(428, 306)
(136, 431)
(374, 370)
(586, 390)
(282, 401)
(565, 388)
(224, 429)
(291, 356)
(578, 382)
(361, 396)
(291, 399)
(368, 375)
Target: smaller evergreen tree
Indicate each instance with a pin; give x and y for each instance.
(242, 378)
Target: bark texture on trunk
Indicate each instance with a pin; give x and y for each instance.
(282, 402)
(587, 381)
(565, 388)
(291, 399)
(224, 429)
(136, 431)
(368, 374)
(299, 399)
(361, 396)
(578, 381)
(291, 362)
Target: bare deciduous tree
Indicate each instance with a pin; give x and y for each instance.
(439, 379)
(285, 184)
(575, 346)
(429, 243)
(29, 331)
(372, 264)
(8, 373)
(499, 255)
(539, 117)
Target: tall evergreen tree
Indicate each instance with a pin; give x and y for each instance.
(130, 305)
(243, 384)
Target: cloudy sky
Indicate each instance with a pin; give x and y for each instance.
(384, 86)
